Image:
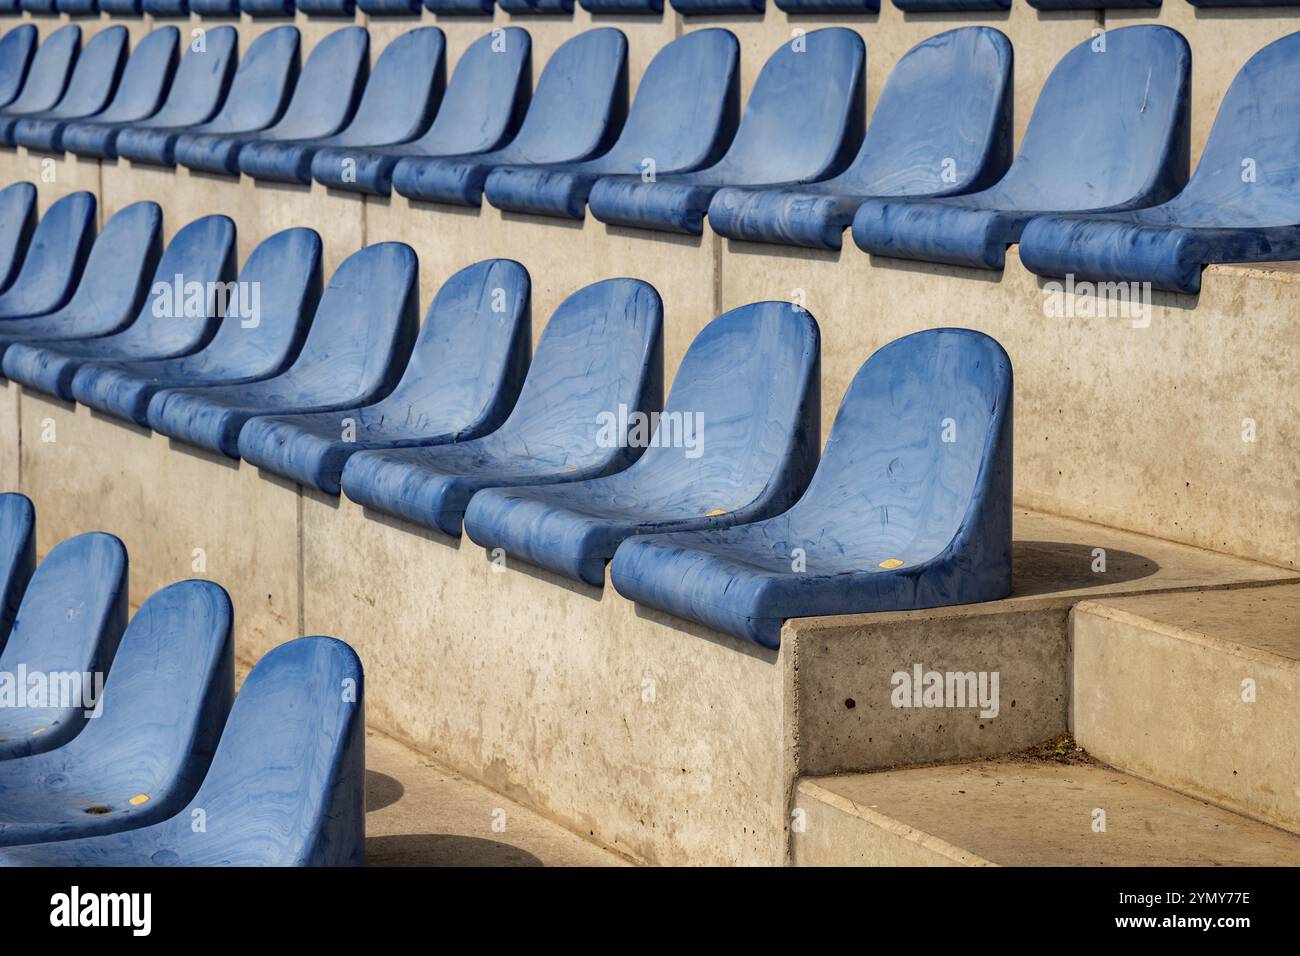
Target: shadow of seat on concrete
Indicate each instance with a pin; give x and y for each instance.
(443, 849)
(382, 790)
(1050, 567)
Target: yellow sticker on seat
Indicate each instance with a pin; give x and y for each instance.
(714, 512)
(138, 799)
(890, 563)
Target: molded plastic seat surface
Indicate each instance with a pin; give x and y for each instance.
(323, 100)
(1241, 205)
(950, 6)
(481, 110)
(738, 441)
(388, 8)
(461, 7)
(172, 321)
(55, 257)
(167, 8)
(47, 77)
(257, 96)
(145, 79)
(121, 8)
(519, 7)
(942, 126)
(828, 6)
(267, 8)
(356, 348)
(70, 621)
(91, 86)
(144, 754)
(327, 8)
(462, 381)
(601, 354)
(17, 224)
(17, 556)
(909, 508)
(399, 101)
(215, 8)
(196, 92)
(702, 69)
(706, 8)
(37, 6)
(1108, 4)
(112, 286)
(254, 340)
(803, 122)
(17, 48)
(576, 113)
(1110, 131)
(285, 788)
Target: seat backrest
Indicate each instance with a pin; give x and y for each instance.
(1111, 125)
(287, 784)
(327, 8)
(49, 72)
(943, 119)
(486, 97)
(16, 50)
(202, 79)
(17, 556)
(55, 257)
(17, 224)
(262, 82)
(920, 449)
(167, 8)
(146, 77)
(77, 7)
(94, 78)
(404, 89)
(215, 8)
(326, 92)
(687, 103)
(602, 352)
(121, 8)
(804, 117)
(121, 264)
(180, 312)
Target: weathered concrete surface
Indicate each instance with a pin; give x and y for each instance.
(1013, 813)
(10, 434)
(1199, 692)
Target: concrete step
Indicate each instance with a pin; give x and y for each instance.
(1199, 692)
(1019, 812)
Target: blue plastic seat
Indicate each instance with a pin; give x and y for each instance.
(257, 96)
(145, 80)
(400, 99)
(797, 7)
(47, 77)
(69, 621)
(710, 8)
(17, 556)
(701, 68)
(942, 127)
(286, 786)
(144, 755)
(1241, 205)
(77, 7)
(622, 6)
(112, 287)
(91, 86)
(909, 508)
(196, 92)
(576, 113)
(518, 7)
(216, 8)
(328, 8)
(17, 49)
(950, 6)
(285, 269)
(172, 321)
(601, 353)
(803, 122)
(1119, 4)
(323, 100)
(267, 8)
(54, 260)
(166, 8)
(461, 382)
(356, 348)
(480, 111)
(17, 224)
(121, 8)
(388, 8)
(1110, 131)
(737, 442)
(460, 7)
(38, 6)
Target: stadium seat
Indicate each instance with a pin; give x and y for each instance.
(701, 68)
(54, 259)
(159, 718)
(69, 621)
(216, 8)
(257, 96)
(17, 48)
(798, 7)
(708, 8)
(1108, 4)
(113, 283)
(803, 122)
(172, 321)
(354, 353)
(576, 113)
(17, 556)
(121, 8)
(382, 8)
(602, 352)
(942, 126)
(286, 786)
(1110, 131)
(38, 6)
(17, 223)
(145, 78)
(480, 111)
(737, 442)
(1242, 203)
(622, 6)
(91, 86)
(460, 7)
(400, 99)
(167, 8)
(524, 7)
(328, 8)
(951, 6)
(196, 92)
(267, 8)
(77, 7)
(323, 100)
(47, 77)
(909, 508)
(461, 382)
